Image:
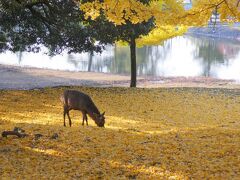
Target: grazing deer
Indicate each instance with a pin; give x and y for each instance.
(76, 100)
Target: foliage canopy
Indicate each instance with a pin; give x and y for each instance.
(58, 25)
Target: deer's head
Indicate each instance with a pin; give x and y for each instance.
(100, 119)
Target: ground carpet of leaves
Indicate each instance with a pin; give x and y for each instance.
(149, 134)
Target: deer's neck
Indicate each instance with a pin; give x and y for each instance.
(93, 116)
(93, 111)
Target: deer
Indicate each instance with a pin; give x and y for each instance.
(76, 100)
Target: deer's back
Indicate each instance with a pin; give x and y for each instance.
(78, 101)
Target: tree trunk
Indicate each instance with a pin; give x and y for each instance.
(90, 61)
(133, 63)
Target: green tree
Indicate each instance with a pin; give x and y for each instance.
(28, 25)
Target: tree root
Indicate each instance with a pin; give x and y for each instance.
(16, 131)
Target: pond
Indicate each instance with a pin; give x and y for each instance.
(186, 56)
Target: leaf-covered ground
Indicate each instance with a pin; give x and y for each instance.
(149, 134)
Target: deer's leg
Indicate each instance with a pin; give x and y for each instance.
(84, 118)
(64, 115)
(70, 121)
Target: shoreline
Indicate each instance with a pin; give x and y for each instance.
(26, 78)
(221, 32)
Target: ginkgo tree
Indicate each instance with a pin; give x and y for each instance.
(135, 18)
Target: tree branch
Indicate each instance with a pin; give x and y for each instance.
(210, 7)
(229, 8)
(16, 133)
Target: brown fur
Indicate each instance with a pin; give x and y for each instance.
(76, 100)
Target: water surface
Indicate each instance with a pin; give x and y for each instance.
(181, 56)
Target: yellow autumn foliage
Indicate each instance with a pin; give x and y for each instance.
(165, 12)
(160, 34)
(149, 134)
(229, 11)
(157, 36)
(121, 11)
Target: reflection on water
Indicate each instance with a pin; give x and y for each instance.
(180, 56)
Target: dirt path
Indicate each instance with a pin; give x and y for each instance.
(14, 77)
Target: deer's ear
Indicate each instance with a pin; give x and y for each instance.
(103, 113)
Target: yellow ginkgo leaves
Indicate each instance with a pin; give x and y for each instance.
(229, 11)
(118, 11)
(149, 134)
(165, 12)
